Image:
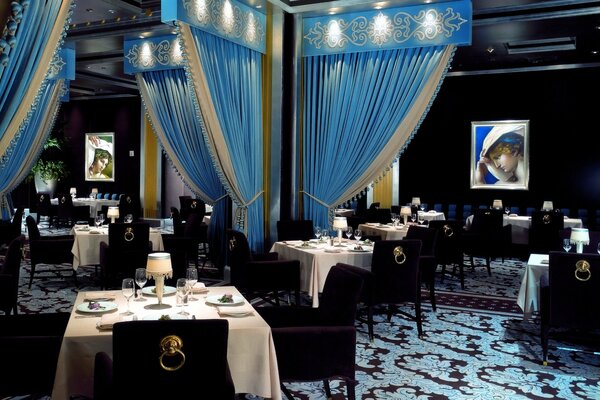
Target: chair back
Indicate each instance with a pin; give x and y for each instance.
(167, 359)
(368, 281)
(573, 285)
(177, 221)
(32, 229)
(487, 221)
(192, 206)
(428, 237)
(238, 254)
(65, 210)
(341, 293)
(295, 230)
(395, 264)
(544, 232)
(449, 249)
(129, 236)
(42, 206)
(11, 271)
(128, 205)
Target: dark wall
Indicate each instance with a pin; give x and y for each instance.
(121, 116)
(563, 129)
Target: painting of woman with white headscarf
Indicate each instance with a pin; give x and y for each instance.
(99, 162)
(500, 155)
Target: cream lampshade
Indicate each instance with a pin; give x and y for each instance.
(497, 205)
(416, 201)
(547, 206)
(93, 193)
(340, 223)
(113, 213)
(158, 266)
(73, 192)
(405, 212)
(579, 237)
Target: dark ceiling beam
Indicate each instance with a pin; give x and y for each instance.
(104, 56)
(535, 12)
(104, 79)
(116, 28)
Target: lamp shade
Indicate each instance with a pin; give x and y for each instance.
(113, 212)
(405, 210)
(580, 235)
(159, 263)
(73, 190)
(416, 201)
(547, 206)
(95, 190)
(497, 205)
(340, 223)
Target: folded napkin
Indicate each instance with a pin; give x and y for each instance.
(108, 320)
(432, 211)
(98, 297)
(332, 250)
(95, 232)
(199, 287)
(235, 311)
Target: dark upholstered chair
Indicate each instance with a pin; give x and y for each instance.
(10, 229)
(487, 237)
(32, 343)
(315, 344)
(177, 222)
(43, 207)
(449, 247)
(395, 264)
(261, 274)
(65, 212)
(127, 249)
(544, 232)
(52, 250)
(176, 358)
(428, 257)
(128, 204)
(10, 272)
(189, 205)
(295, 230)
(569, 296)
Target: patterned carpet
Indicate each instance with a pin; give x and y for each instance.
(476, 346)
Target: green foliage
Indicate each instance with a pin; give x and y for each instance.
(48, 165)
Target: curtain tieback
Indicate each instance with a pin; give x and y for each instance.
(317, 200)
(220, 198)
(241, 213)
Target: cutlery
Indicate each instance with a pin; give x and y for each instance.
(87, 316)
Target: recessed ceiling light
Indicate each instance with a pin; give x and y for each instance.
(594, 52)
(89, 10)
(112, 11)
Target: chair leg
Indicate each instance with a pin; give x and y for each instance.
(488, 263)
(419, 319)
(31, 274)
(350, 386)
(461, 268)
(370, 323)
(432, 296)
(286, 391)
(327, 388)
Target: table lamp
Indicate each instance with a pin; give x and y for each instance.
(340, 223)
(497, 205)
(113, 213)
(547, 206)
(73, 192)
(93, 193)
(416, 201)
(405, 212)
(579, 237)
(157, 267)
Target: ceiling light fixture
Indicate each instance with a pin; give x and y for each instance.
(541, 45)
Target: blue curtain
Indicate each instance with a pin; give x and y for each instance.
(28, 99)
(167, 99)
(356, 107)
(227, 80)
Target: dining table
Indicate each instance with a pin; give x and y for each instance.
(250, 349)
(318, 256)
(529, 292)
(86, 246)
(95, 205)
(384, 231)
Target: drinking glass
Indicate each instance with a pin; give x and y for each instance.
(325, 234)
(349, 232)
(128, 218)
(99, 220)
(567, 244)
(357, 234)
(507, 210)
(183, 292)
(318, 232)
(421, 218)
(191, 275)
(140, 279)
(128, 290)
(413, 217)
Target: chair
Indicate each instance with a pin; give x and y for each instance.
(438, 207)
(189, 206)
(53, 250)
(582, 213)
(129, 205)
(177, 222)
(569, 295)
(174, 359)
(427, 259)
(381, 215)
(295, 230)
(65, 212)
(303, 335)
(260, 274)
(44, 208)
(127, 249)
(452, 211)
(395, 265)
(544, 231)
(374, 205)
(449, 247)
(487, 237)
(515, 210)
(529, 211)
(467, 211)
(10, 272)
(566, 212)
(114, 196)
(197, 233)
(11, 229)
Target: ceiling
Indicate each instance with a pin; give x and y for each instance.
(508, 36)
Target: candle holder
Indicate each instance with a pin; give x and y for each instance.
(340, 223)
(158, 267)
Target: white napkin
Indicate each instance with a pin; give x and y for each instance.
(332, 250)
(199, 287)
(108, 320)
(235, 311)
(98, 297)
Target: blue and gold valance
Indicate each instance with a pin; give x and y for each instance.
(229, 19)
(152, 54)
(63, 65)
(392, 28)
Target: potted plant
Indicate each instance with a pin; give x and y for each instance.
(49, 169)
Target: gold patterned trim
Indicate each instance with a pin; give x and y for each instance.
(448, 231)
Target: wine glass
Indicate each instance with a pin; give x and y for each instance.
(349, 232)
(421, 218)
(183, 292)
(191, 275)
(318, 232)
(357, 234)
(507, 211)
(128, 290)
(413, 217)
(99, 220)
(567, 244)
(128, 219)
(325, 234)
(140, 279)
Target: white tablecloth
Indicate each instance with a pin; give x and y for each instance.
(316, 263)
(344, 212)
(251, 353)
(94, 204)
(386, 232)
(432, 215)
(86, 248)
(529, 293)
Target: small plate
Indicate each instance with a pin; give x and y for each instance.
(237, 300)
(155, 317)
(359, 251)
(305, 247)
(150, 290)
(332, 250)
(105, 306)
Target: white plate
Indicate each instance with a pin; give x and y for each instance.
(332, 250)
(149, 290)
(155, 317)
(359, 251)
(105, 306)
(237, 300)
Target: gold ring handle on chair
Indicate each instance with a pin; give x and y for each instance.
(546, 219)
(128, 236)
(448, 231)
(232, 244)
(582, 267)
(170, 346)
(399, 252)
(193, 206)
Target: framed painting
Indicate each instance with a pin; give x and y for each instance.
(99, 157)
(500, 155)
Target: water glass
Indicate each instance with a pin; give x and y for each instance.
(182, 295)
(128, 290)
(191, 275)
(357, 234)
(567, 244)
(140, 280)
